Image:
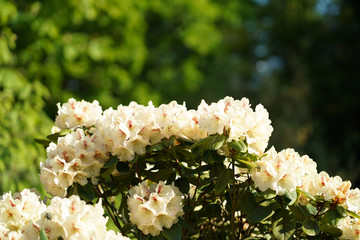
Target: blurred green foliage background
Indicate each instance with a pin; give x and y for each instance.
(300, 59)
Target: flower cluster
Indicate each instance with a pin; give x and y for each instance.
(154, 206)
(23, 215)
(76, 157)
(75, 114)
(287, 170)
(350, 228)
(127, 131)
(19, 215)
(218, 146)
(282, 171)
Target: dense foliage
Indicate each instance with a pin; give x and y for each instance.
(299, 58)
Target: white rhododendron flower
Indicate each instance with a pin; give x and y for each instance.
(73, 159)
(168, 119)
(353, 200)
(75, 114)
(239, 120)
(350, 228)
(73, 219)
(333, 188)
(23, 215)
(281, 171)
(128, 129)
(19, 214)
(154, 206)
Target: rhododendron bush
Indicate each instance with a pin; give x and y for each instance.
(171, 173)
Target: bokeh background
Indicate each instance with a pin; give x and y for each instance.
(300, 59)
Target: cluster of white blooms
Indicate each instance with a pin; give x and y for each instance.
(350, 228)
(23, 215)
(71, 218)
(76, 157)
(282, 171)
(127, 131)
(75, 114)
(239, 120)
(331, 189)
(287, 170)
(19, 215)
(154, 206)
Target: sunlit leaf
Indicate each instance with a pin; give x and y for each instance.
(238, 145)
(283, 224)
(217, 142)
(353, 214)
(311, 227)
(43, 235)
(203, 142)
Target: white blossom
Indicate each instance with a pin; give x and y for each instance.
(238, 119)
(19, 214)
(73, 159)
(281, 171)
(350, 228)
(73, 219)
(128, 129)
(154, 206)
(75, 114)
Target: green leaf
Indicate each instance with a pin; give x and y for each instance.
(238, 146)
(223, 180)
(104, 172)
(353, 214)
(333, 231)
(173, 233)
(122, 167)
(54, 137)
(86, 192)
(44, 142)
(43, 235)
(311, 227)
(297, 213)
(308, 211)
(200, 169)
(290, 197)
(284, 224)
(247, 202)
(183, 184)
(306, 194)
(217, 142)
(168, 141)
(255, 238)
(185, 225)
(203, 142)
(268, 194)
(159, 237)
(157, 147)
(212, 157)
(160, 175)
(261, 213)
(111, 162)
(332, 216)
(248, 164)
(341, 211)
